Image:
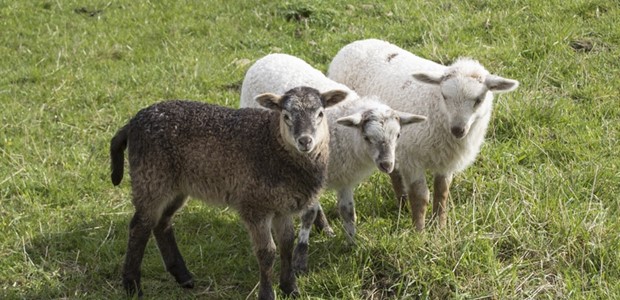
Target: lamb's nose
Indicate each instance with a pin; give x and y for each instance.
(386, 166)
(457, 131)
(305, 143)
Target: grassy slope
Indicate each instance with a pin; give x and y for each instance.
(535, 216)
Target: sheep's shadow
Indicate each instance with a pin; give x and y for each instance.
(84, 259)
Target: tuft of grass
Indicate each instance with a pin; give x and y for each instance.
(535, 217)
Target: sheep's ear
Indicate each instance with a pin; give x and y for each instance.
(407, 118)
(350, 121)
(499, 84)
(333, 97)
(428, 77)
(269, 100)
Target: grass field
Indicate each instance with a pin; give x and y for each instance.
(535, 217)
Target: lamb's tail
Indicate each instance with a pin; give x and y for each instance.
(117, 154)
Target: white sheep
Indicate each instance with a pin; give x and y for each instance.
(457, 100)
(367, 139)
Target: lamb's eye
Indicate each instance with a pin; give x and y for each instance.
(367, 139)
(321, 115)
(398, 135)
(478, 101)
(287, 119)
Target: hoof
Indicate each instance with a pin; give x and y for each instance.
(402, 202)
(350, 243)
(188, 284)
(300, 259)
(300, 267)
(292, 294)
(300, 270)
(266, 294)
(183, 278)
(329, 232)
(132, 288)
(350, 238)
(289, 290)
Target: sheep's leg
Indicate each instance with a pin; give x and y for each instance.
(321, 222)
(301, 250)
(265, 251)
(166, 242)
(441, 190)
(139, 233)
(399, 188)
(346, 207)
(418, 199)
(285, 235)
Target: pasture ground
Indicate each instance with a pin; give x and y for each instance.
(535, 217)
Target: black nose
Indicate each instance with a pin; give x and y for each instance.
(386, 166)
(458, 132)
(304, 141)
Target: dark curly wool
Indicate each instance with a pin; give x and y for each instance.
(186, 147)
(239, 158)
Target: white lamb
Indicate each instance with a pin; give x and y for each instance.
(367, 139)
(457, 100)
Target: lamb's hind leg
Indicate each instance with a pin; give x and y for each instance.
(140, 229)
(166, 242)
(399, 188)
(346, 207)
(264, 249)
(441, 190)
(285, 235)
(418, 199)
(321, 223)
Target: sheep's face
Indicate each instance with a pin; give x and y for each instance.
(466, 100)
(380, 129)
(302, 120)
(466, 90)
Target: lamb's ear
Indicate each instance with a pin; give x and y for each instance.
(498, 84)
(353, 120)
(269, 100)
(428, 77)
(333, 97)
(407, 118)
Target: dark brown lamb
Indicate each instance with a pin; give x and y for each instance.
(266, 164)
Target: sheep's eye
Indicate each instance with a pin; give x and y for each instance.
(287, 119)
(398, 136)
(321, 115)
(478, 101)
(367, 139)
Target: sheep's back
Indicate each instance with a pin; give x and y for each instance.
(278, 73)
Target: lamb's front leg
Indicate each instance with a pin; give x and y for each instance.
(285, 235)
(441, 190)
(346, 207)
(399, 188)
(265, 251)
(301, 250)
(418, 199)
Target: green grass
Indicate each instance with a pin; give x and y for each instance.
(536, 216)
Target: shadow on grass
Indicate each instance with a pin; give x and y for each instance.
(85, 259)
